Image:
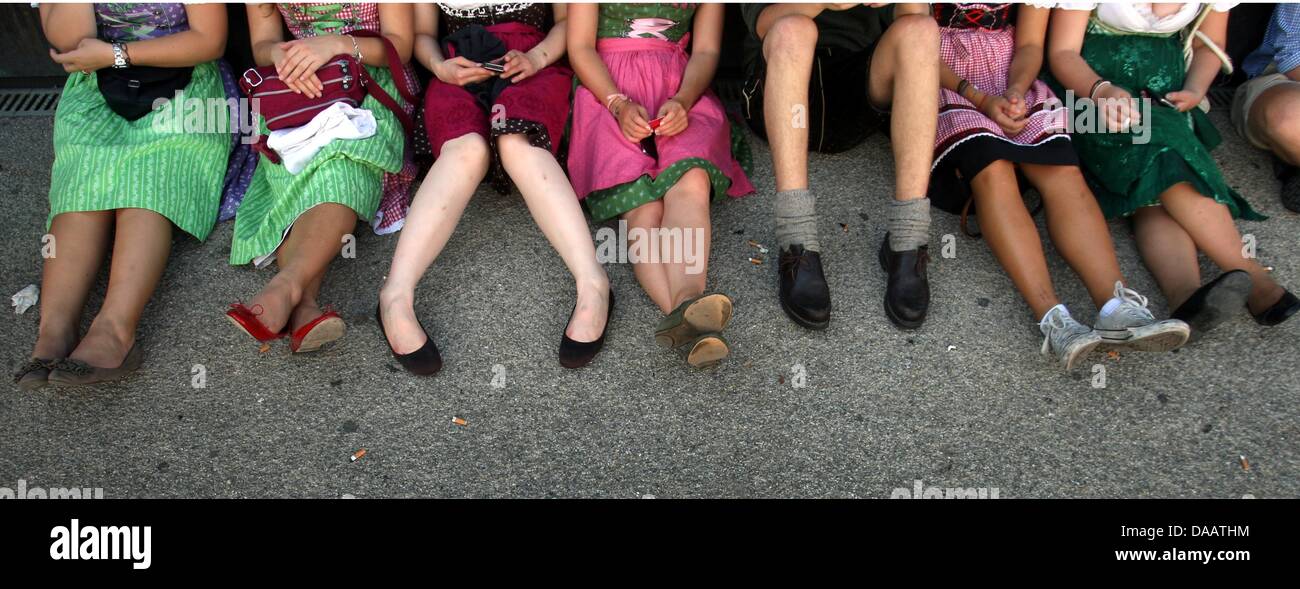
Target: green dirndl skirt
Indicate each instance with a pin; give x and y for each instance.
(346, 172)
(1126, 175)
(104, 162)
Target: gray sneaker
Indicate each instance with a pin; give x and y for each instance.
(1133, 326)
(1065, 337)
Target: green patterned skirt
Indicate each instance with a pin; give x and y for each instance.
(346, 172)
(104, 162)
(1125, 175)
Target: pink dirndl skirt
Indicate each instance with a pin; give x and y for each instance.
(649, 72)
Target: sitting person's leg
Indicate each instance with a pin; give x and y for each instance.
(905, 76)
(141, 246)
(554, 206)
(1011, 234)
(653, 277)
(81, 241)
(686, 210)
(435, 211)
(1078, 230)
(788, 49)
(305, 255)
(1210, 225)
(1272, 122)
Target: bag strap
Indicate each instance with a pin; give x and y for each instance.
(1194, 32)
(399, 79)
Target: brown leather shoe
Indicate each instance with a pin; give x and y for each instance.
(77, 373)
(35, 373)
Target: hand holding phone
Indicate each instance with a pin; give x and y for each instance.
(493, 67)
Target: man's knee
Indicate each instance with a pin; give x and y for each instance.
(1279, 116)
(790, 37)
(915, 34)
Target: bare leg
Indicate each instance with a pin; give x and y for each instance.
(1012, 236)
(686, 207)
(434, 214)
(905, 76)
(308, 308)
(1169, 253)
(315, 239)
(1273, 116)
(80, 242)
(1078, 228)
(555, 208)
(1211, 227)
(788, 49)
(653, 277)
(141, 246)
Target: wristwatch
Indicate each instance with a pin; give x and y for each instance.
(120, 58)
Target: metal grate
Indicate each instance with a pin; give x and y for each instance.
(29, 103)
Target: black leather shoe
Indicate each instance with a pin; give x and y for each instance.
(804, 294)
(907, 294)
(576, 354)
(425, 361)
(1282, 310)
(1291, 193)
(1215, 302)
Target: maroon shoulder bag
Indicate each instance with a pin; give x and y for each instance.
(344, 80)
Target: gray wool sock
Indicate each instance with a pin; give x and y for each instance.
(796, 220)
(909, 224)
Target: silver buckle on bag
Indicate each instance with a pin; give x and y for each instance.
(251, 83)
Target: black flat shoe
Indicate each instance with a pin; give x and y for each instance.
(804, 294)
(576, 354)
(1282, 310)
(1215, 302)
(425, 361)
(907, 294)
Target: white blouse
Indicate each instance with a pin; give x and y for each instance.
(1138, 17)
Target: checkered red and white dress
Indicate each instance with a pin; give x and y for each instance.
(978, 42)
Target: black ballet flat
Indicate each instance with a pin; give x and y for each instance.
(1282, 310)
(1215, 302)
(576, 354)
(425, 361)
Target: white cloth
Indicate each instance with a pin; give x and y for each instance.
(1138, 18)
(298, 145)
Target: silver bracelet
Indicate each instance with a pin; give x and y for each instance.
(356, 48)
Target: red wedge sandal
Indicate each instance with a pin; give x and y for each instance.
(323, 330)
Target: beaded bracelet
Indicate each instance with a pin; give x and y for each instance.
(609, 100)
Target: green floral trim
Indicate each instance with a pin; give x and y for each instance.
(611, 202)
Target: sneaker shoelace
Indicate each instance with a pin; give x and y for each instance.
(1054, 321)
(1133, 300)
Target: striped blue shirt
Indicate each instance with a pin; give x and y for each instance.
(1281, 43)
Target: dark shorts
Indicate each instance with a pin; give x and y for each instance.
(840, 115)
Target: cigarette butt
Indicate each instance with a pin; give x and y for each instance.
(358, 455)
(753, 243)
(780, 379)
(459, 421)
(264, 349)
(844, 227)
(1245, 464)
(759, 246)
(1113, 355)
(756, 261)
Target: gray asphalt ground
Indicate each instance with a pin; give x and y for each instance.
(964, 402)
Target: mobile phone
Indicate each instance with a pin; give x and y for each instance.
(492, 67)
(649, 148)
(1159, 98)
